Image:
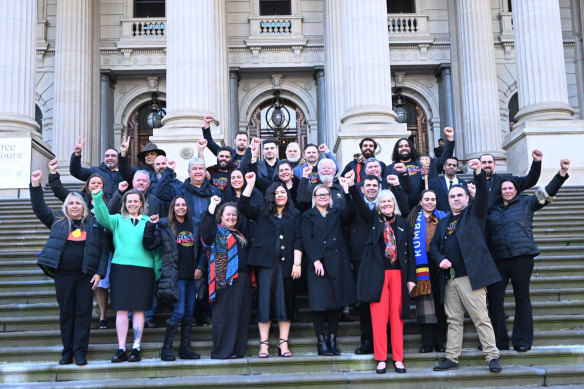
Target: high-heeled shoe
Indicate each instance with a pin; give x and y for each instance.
(398, 369)
(286, 354)
(382, 370)
(261, 354)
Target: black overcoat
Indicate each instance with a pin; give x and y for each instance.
(322, 238)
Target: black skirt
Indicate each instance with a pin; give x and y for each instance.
(131, 287)
(276, 297)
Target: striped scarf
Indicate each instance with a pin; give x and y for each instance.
(223, 261)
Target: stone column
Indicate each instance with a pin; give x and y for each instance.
(234, 100)
(481, 122)
(17, 86)
(367, 88)
(333, 49)
(106, 112)
(445, 92)
(191, 78)
(73, 81)
(320, 105)
(545, 118)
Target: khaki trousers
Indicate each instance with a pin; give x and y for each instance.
(459, 297)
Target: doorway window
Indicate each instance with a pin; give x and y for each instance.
(275, 7)
(149, 8)
(401, 7)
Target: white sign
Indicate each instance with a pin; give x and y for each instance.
(15, 156)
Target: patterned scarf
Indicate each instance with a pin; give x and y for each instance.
(389, 238)
(360, 161)
(223, 261)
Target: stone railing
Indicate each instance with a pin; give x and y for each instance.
(143, 32)
(275, 26)
(407, 24)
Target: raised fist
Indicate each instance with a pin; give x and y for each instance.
(35, 177)
(307, 171)
(154, 219)
(449, 132)
(216, 200)
(324, 148)
(53, 166)
(171, 164)
(79, 146)
(122, 186)
(250, 178)
(201, 144)
(208, 120)
(392, 180)
(96, 191)
(565, 164)
(472, 189)
(537, 155)
(399, 167)
(344, 184)
(475, 164)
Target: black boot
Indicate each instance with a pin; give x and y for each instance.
(322, 346)
(166, 352)
(185, 351)
(332, 341)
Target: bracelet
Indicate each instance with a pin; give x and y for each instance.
(296, 264)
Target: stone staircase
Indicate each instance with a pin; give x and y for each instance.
(30, 343)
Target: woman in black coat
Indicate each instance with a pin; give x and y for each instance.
(510, 241)
(177, 235)
(387, 273)
(330, 278)
(276, 252)
(229, 278)
(76, 257)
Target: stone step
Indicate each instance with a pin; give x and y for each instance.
(344, 370)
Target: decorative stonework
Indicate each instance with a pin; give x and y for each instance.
(133, 58)
(276, 56)
(187, 152)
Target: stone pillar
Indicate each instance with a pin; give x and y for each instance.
(191, 78)
(73, 82)
(234, 100)
(17, 86)
(333, 48)
(545, 118)
(320, 105)
(481, 122)
(222, 108)
(106, 112)
(445, 92)
(367, 88)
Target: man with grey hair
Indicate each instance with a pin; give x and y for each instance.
(141, 182)
(293, 154)
(326, 175)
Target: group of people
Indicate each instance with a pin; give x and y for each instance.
(248, 231)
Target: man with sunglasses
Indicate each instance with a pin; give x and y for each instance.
(459, 249)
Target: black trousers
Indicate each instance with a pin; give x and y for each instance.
(332, 317)
(364, 311)
(75, 299)
(518, 270)
(231, 312)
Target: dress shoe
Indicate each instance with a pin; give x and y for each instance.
(439, 348)
(365, 348)
(150, 323)
(522, 349)
(81, 362)
(494, 366)
(399, 369)
(382, 370)
(65, 361)
(135, 356)
(346, 317)
(120, 356)
(446, 364)
(322, 346)
(425, 350)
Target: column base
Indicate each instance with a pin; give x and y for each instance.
(556, 139)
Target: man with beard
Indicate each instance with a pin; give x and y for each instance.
(293, 154)
(159, 165)
(108, 169)
(220, 172)
(146, 156)
(441, 185)
(367, 146)
(326, 175)
(405, 152)
(240, 142)
(494, 180)
(267, 168)
(311, 157)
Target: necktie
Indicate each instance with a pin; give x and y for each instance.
(450, 186)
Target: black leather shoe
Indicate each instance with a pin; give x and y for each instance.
(150, 323)
(365, 348)
(439, 349)
(383, 370)
(399, 369)
(65, 361)
(81, 362)
(446, 364)
(322, 346)
(494, 366)
(425, 350)
(120, 356)
(522, 349)
(135, 356)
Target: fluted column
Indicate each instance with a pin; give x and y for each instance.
(17, 67)
(221, 83)
(320, 105)
(539, 55)
(333, 50)
(367, 77)
(481, 121)
(234, 101)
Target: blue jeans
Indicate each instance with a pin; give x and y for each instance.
(185, 306)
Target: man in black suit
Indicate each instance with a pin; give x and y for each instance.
(267, 168)
(441, 185)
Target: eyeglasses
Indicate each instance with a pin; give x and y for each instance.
(322, 195)
(452, 273)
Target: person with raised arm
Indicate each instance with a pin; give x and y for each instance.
(240, 142)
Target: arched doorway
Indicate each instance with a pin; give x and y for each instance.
(138, 129)
(416, 121)
(294, 132)
(513, 107)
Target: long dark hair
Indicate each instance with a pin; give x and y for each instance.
(219, 212)
(413, 216)
(507, 179)
(85, 188)
(414, 154)
(270, 200)
(172, 222)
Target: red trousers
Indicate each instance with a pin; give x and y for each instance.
(389, 308)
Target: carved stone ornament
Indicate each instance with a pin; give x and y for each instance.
(187, 152)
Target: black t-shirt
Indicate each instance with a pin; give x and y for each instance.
(185, 240)
(237, 159)
(72, 257)
(452, 248)
(219, 179)
(270, 170)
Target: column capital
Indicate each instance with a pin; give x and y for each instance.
(443, 68)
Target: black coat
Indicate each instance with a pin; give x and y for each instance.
(438, 185)
(154, 204)
(95, 252)
(111, 178)
(127, 172)
(470, 233)
(372, 269)
(159, 234)
(270, 243)
(260, 167)
(323, 240)
(510, 228)
(305, 189)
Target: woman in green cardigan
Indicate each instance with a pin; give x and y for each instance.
(133, 269)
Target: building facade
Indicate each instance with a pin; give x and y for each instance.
(508, 75)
